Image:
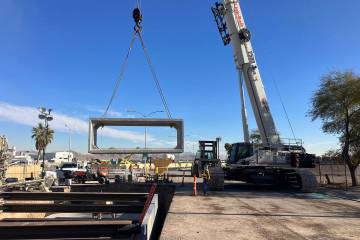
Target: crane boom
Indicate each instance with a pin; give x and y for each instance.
(232, 27)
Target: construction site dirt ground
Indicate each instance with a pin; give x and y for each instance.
(250, 212)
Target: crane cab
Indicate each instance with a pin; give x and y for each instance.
(241, 151)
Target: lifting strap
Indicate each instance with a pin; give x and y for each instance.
(137, 32)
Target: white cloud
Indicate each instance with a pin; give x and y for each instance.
(110, 113)
(28, 116)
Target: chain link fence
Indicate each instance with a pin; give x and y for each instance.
(332, 172)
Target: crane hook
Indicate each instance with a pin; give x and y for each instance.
(137, 18)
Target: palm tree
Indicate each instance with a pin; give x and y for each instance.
(38, 136)
(42, 137)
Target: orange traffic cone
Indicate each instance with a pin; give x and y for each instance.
(194, 188)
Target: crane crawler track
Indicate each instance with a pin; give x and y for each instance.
(298, 179)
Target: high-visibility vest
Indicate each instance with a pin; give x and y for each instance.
(206, 174)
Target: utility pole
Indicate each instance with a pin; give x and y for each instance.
(46, 116)
(145, 116)
(66, 125)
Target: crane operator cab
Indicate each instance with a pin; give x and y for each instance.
(240, 152)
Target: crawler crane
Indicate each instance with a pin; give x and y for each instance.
(275, 161)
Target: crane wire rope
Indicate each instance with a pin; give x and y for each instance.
(138, 4)
(284, 108)
(156, 79)
(137, 31)
(121, 76)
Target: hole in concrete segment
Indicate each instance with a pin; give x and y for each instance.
(134, 137)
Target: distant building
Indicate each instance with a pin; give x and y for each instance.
(20, 157)
(61, 157)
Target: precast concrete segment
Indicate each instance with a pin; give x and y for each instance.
(96, 123)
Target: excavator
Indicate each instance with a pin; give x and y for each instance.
(281, 162)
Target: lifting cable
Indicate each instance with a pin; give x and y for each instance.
(137, 31)
(283, 106)
(121, 76)
(156, 80)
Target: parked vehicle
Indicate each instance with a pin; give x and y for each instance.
(94, 171)
(69, 168)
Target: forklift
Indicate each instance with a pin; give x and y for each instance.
(208, 156)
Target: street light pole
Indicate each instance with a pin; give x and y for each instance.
(46, 116)
(145, 116)
(69, 141)
(145, 132)
(145, 137)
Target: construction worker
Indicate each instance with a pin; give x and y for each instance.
(131, 168)
(206, 178)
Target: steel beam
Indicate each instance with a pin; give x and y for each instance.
(73, 196)
(46, 223)
(72, 219)
(96, 123)
(112, 187)
(73, 208)
(68, 229)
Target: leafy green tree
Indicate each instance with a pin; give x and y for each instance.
(337, 104)
(334, 155)
(228, 148)
(255, 136)
(42, 138)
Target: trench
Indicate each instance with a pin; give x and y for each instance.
(165, 195)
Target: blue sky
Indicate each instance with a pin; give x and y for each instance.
(66, 55)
